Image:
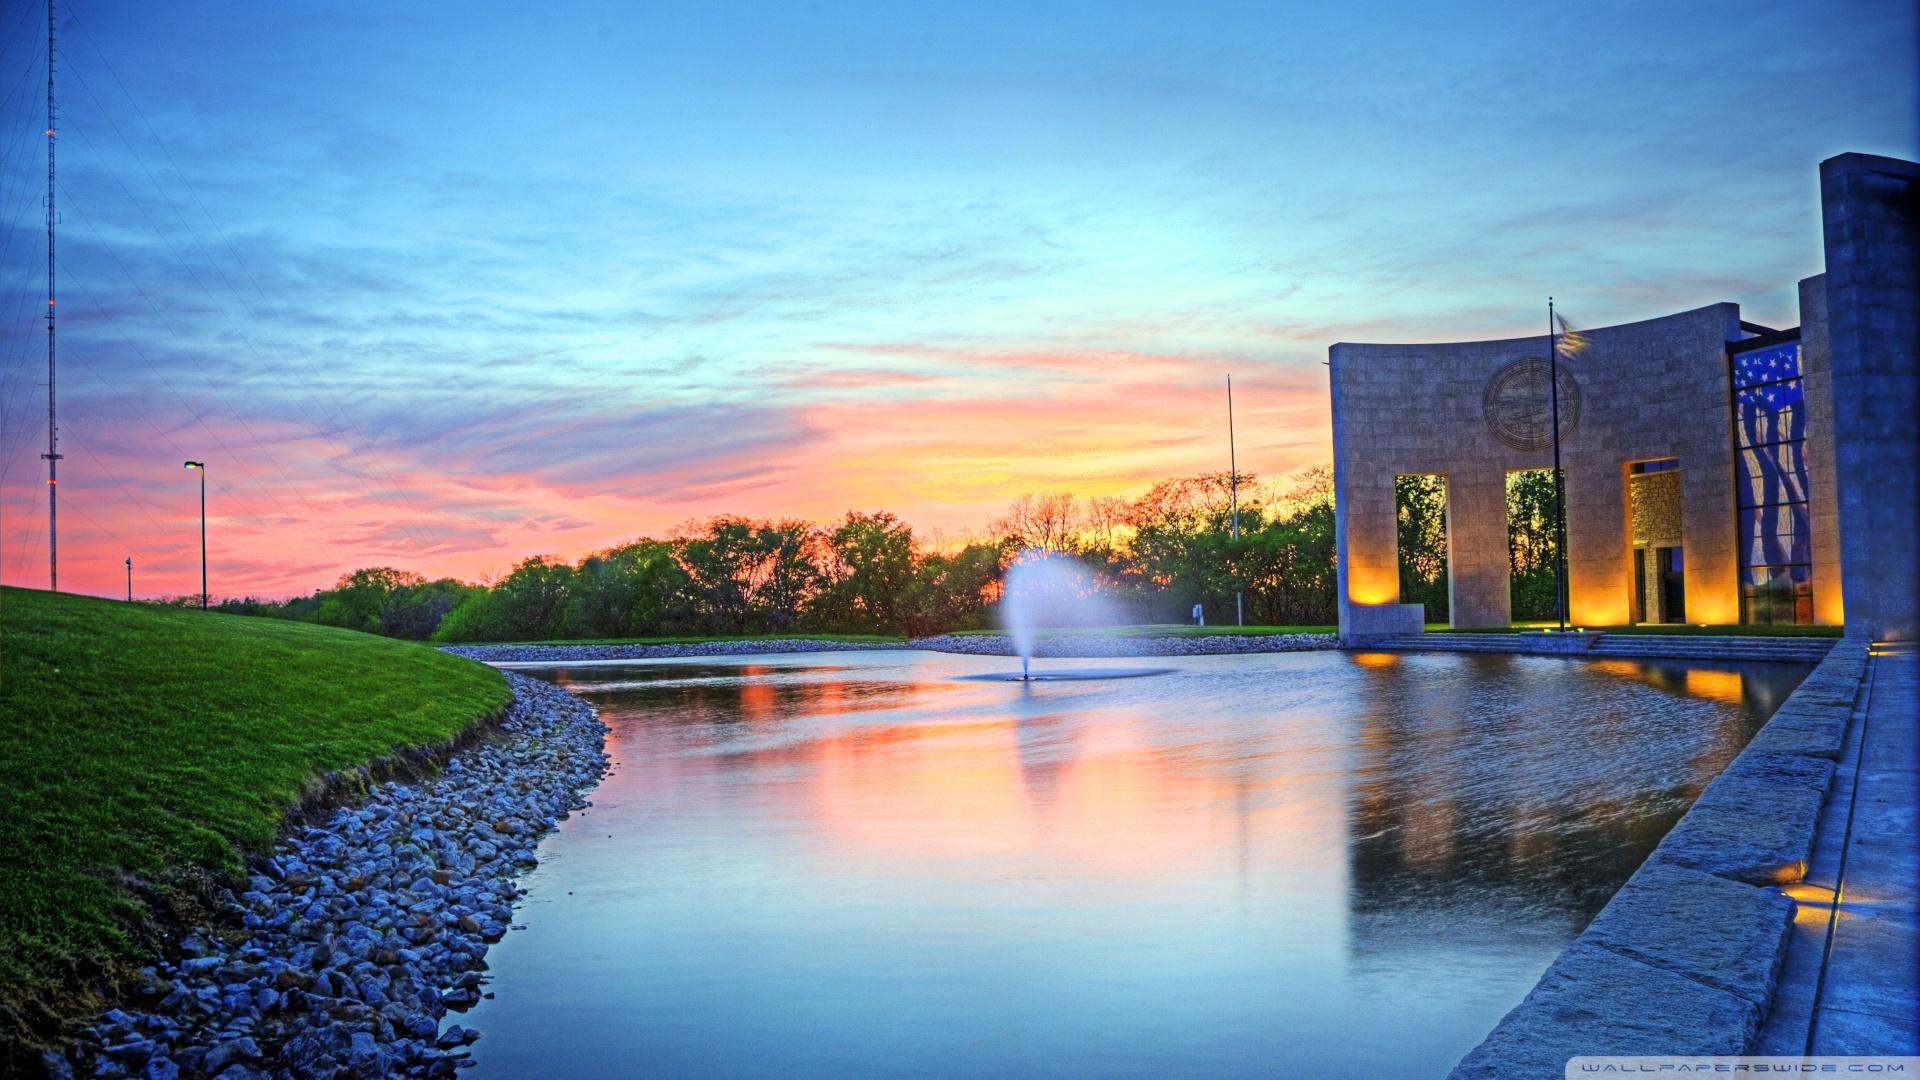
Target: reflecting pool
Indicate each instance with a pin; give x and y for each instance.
(866, 864)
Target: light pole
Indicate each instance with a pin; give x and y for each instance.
(129, 579)
(201, 468)
(1233, 482)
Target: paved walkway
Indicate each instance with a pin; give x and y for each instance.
(1851, 983)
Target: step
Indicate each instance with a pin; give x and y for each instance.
(1620, 646)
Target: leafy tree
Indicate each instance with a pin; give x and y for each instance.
(633, 590)
(748, 575)
(951, 592)
(357, 599)
(1421, 505)
(719, 565)
(1532, 545)
(867, 576)
(786, 575)
(527, 604)
(415, 612)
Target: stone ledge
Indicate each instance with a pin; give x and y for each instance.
(1735, 931)
(1596, 1001)
(1684, 958)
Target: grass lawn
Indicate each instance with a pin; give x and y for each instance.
(696, 639)
(144, 750)
(1683, 629)
(1173, 630)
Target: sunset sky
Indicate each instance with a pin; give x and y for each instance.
(445, 287)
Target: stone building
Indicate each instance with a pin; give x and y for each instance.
(1715, 471)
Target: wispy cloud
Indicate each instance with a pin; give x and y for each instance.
(445, 293)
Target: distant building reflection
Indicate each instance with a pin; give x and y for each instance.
(1467, 814)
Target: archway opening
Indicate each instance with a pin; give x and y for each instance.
(1420, 511)
(1532, 546)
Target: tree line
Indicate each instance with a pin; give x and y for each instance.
(869, 573)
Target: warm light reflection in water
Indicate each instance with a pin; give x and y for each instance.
(1718, 685)
(869, 866)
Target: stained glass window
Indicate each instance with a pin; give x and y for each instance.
(1770, 466)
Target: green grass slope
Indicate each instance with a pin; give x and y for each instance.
(144, 750)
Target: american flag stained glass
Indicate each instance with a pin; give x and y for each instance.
(1770, 430)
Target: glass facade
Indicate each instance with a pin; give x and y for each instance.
(1770, 468)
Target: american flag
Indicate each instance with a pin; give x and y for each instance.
(1769, 408)
(1571, 341)
(1771, 364)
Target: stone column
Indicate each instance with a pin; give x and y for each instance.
(1478, 590)
(1823, 483)
(1871, 219)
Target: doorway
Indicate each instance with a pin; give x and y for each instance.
(1654, 534)
(1673, 585)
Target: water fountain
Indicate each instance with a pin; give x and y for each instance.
(1046, 590)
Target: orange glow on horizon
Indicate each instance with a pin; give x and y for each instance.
(947, 461)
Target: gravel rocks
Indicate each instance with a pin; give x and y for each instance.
(510, 654)
(348, 945)
(974, 644)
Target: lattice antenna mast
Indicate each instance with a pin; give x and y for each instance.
(53, 417)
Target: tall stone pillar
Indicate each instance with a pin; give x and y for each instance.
(1478, 573)
(1871, 217)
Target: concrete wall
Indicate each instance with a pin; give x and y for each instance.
(1652, 389)
(1872, 230)
(1823, 490)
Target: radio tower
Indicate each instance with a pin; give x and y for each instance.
(53, 420)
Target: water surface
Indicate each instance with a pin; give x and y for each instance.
(865, 864)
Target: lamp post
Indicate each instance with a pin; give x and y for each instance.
(201, 468)
(129, 579)
(1233, 484)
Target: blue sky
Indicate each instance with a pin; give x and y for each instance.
(450, 285)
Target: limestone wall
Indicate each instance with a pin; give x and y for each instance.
(1645, 390)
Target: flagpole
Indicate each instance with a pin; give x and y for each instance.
(1559, 494)
(1233, 466)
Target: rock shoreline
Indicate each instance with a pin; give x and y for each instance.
(1087, 645)
(351, 942)
(1096, 645)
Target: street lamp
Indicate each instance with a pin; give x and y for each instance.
(1233, 482)
(201, 468)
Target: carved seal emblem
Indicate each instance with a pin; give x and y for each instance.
(1519, 404)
